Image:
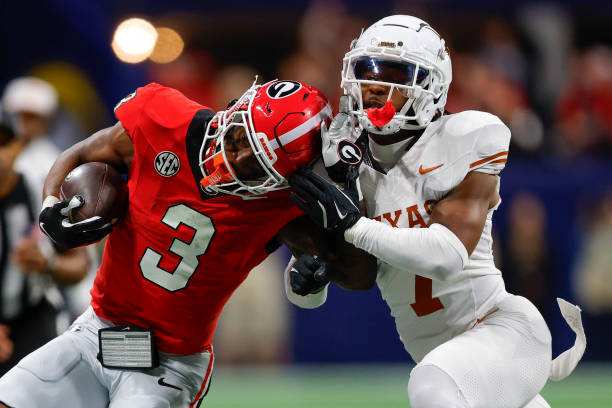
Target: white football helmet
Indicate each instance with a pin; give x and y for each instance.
(403, 53)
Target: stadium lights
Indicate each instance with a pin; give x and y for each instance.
(134, 40)
(168, 47)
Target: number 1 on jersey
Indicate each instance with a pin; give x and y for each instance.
(424, 303)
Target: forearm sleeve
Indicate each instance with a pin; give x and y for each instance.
(311, 301)
(433, 252)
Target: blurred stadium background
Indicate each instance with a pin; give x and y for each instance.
(545, 68)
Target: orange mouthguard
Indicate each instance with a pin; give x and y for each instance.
(219, 173)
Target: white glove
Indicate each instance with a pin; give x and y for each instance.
(338, 143)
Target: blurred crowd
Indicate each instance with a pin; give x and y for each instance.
(556, 99)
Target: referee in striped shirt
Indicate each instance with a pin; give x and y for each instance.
(30, 267)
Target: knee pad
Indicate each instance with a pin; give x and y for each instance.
(430, 387)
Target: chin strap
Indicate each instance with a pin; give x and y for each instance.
(564, 364)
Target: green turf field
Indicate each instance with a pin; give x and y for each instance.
(358, 386)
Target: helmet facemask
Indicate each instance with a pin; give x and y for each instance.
(220, 176)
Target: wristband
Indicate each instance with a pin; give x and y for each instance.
(50, 201)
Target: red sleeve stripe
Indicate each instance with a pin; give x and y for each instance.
(205, 383)
(486, 159)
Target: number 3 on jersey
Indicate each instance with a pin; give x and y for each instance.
(188, 251)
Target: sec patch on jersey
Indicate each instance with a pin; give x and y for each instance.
(102, 188)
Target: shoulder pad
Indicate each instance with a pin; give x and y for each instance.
(155, 107)
(487, 137)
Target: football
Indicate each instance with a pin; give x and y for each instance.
(103, 189)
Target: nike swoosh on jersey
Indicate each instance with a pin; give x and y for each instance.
(165, 384)
(424, 171)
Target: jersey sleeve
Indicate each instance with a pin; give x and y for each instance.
(129, 109)
(490, 151)
(152, 108)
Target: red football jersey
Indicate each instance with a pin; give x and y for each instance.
(177, 256)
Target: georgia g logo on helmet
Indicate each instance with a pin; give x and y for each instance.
(282, 89)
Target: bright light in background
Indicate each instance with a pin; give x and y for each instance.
(168, 47)
(134, 40)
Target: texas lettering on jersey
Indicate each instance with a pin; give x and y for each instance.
(178, 254)
(415, 218)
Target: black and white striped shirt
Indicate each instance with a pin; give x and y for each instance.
(18, 291)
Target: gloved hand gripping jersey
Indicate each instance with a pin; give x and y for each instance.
(332, 208)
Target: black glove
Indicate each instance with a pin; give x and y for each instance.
(309, 274)
(330, 207)
(338, 145)
(55, 222)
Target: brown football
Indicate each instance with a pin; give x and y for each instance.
(103, 189)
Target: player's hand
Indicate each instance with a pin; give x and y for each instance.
(309, 274)
(338, 143)
(330, 207)
(55, 222)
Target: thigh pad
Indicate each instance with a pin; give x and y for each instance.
(52, 361)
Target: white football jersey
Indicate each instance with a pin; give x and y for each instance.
(427, 312)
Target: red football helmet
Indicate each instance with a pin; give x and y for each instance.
(281, 121)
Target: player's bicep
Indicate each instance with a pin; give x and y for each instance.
(110, 145)
(464, 210)
(302, 236)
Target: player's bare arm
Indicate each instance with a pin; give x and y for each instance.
(111, 145)
(350, 267)
(464, 210)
